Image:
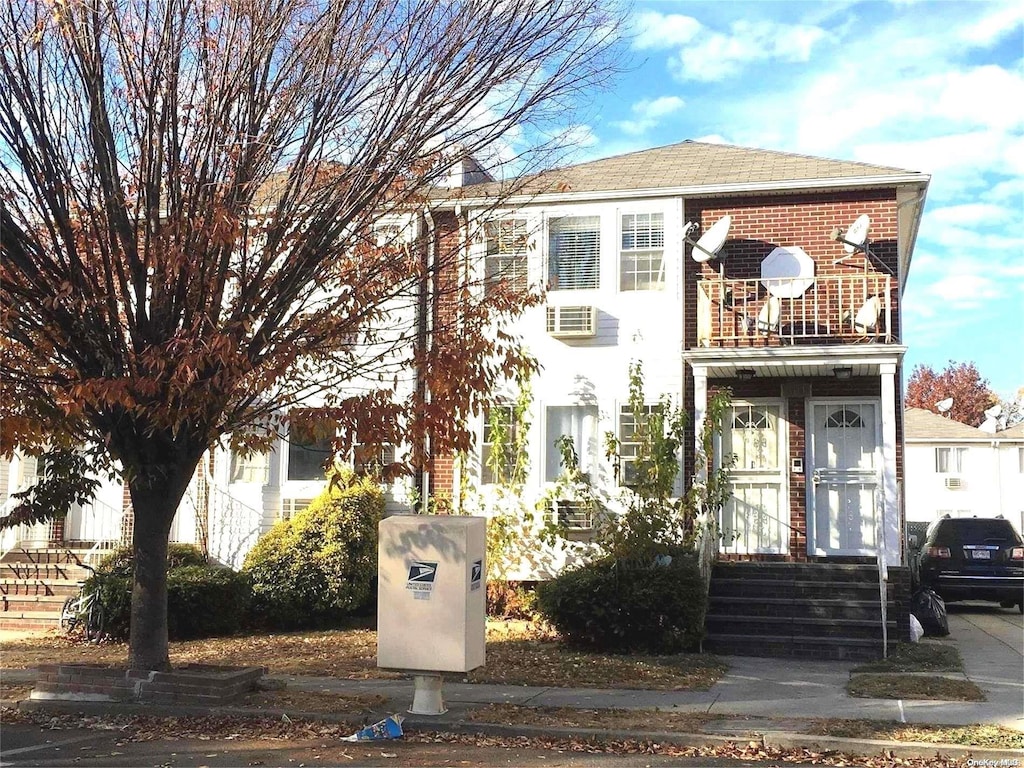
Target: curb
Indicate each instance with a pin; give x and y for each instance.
(420, 724)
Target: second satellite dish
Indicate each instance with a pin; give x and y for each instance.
(711, 242)
(857, 235)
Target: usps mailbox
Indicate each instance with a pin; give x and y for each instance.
(431, 603)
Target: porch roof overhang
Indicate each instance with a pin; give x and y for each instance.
(794, 362)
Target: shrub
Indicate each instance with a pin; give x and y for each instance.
(624, 606)
(202, 601)
(321, 565)
(511, 599)
(205, 601)
(121, 561)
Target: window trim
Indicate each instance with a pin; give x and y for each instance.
(591, 274)
(636, 252)
(518, 258)
(954, 462)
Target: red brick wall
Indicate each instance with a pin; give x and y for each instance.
(761, 224)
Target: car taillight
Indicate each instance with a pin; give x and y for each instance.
(937, 551)
(1017, 553)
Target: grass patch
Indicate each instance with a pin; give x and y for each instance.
(917, 657)
(321, 702)
(989, 736)
(896, 686)
(614, 719)
(518, 653)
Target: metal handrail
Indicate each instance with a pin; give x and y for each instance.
(834, 309)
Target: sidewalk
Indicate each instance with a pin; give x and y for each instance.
(759, 694)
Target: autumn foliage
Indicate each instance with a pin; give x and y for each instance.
(191, 207)
(960, 381)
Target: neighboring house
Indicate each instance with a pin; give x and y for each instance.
(957, 470)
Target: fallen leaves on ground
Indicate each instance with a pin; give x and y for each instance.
(142, 728)
(322, 702)
(982, 735)
(879, 686)
(518, 653)
(917, 657)
(570, 717)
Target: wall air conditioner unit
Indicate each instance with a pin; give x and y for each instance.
(572, 322)
(954, 483)
(575, 516)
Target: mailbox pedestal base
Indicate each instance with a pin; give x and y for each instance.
(427, 698)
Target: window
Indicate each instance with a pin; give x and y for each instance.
(753, 437)
(373, 460)
(505, 260)
(500, 433)
(307, 452)
(254, 468)
(579, 422)
(844, 418)
(949, 460)
(574, 245)
(629, 444)
(641, 261)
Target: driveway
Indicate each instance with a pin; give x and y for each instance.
(991, 643)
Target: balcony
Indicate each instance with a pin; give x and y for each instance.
(847, 309)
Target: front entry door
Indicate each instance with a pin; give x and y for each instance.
(845, 464)
(755, 519)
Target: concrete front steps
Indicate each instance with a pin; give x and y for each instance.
(804, 610)
(35, 581)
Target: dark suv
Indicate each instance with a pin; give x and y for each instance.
(974, 558)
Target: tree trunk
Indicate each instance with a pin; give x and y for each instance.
(155, 500)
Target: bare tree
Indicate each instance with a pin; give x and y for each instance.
(188, 200)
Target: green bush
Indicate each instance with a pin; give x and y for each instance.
(321, 565)
(625, 606)
(121, 561)
(202, 601)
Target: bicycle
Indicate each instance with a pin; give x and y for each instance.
(86, 610)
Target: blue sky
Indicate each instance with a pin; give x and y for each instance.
(936, 87)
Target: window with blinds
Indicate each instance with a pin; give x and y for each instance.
(641, 259)
(574, 245)
(505, 262)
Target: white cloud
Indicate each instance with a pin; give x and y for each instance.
(987, 29)
(713, 56)
(648, 113)
(655, 30)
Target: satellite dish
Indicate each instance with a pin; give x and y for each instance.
(943, 406)
(710, 242)
(857, 235)
(995, 411)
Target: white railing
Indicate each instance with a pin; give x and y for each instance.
(229, 526)
(99, 523)
(836, 309)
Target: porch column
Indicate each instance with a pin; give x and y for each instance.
(890, 491)
(700, 407)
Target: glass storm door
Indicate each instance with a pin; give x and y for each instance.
(756, 517)
(844, 458)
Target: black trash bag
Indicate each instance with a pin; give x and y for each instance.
(930, 610)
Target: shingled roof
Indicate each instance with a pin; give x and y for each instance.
(692, 164)
(920, 424)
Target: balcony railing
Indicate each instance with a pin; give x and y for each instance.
(833, 310)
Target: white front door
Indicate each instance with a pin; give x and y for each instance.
(845, 465)
(756, 517)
